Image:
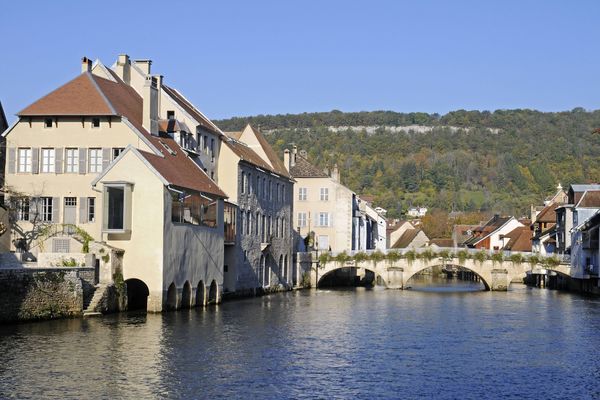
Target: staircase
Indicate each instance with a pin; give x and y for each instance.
(92, 309)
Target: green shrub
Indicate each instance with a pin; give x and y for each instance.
(69, 263)
(517, 258)
(463, 255)
(426, 255)
(410, 256)
(324, 258)
(480, 256)
(361, 256)
(445, 254)
(377, 256)
(342, 257)
(551, 262)
(497, 257)
(393, 255)
(533, 260)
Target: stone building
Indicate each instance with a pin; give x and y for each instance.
(90, 154)
(261, 188)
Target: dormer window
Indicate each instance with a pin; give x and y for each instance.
(95, 122)
(47, 122)
(170, 114)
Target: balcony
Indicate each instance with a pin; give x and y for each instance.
(229, 219)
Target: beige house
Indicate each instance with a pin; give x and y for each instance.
(256, 181)
(90, 154)
(323, 205)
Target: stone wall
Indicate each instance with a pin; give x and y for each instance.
(30, 294)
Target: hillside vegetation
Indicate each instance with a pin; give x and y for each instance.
(499, 161)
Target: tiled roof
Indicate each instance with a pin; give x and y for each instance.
(548, 214)
(406, 239)
(247, 154)
(190, 109)
(486, 229)
(304, 169)
(591, 198)
(462, 233)
(520, 239)
(276, 162)
(169, 125)
(442, 242)
(78, 97)
(92, 95)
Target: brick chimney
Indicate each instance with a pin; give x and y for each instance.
(124, 68)
(86, 65)
(150, 107)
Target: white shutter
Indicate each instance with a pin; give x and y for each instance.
(35, 160)
(105, 158)
(58, 160)
(82, 160)
(11, 160)
(83, 210)
(56, 209)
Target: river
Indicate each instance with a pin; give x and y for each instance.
(440, 341)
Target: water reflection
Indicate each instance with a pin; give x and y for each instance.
(352, 343)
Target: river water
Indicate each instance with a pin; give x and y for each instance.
(440, 341)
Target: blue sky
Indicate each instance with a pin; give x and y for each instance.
(236, 58)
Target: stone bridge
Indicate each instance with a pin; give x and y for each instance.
(394, 273)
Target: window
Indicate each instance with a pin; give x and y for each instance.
(72, 160)
(48, 159)
(47, 208)
(270, 191)
(95, 160)
(249, 183)
(24, 160)
(193, 208)
(116, 152)
(170, 114)
(116, 215)
(324, 194)
(205, 144)
(47, 122)
(71, 201)
(323, 219)
(23, 209)
(91, 209)
(243, 183)
(277, 227)
(256, 227)
(212, 150)
(264, 186)
(263, 228)
(96, 122)
(302, 194)
(301, 219)
(248, 222)
(278, 194)
(258, 192)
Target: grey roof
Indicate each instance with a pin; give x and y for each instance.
(304, 169)
(584, 187)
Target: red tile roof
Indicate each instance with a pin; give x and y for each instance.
(548, 213)
(520, 239)
(89, 94)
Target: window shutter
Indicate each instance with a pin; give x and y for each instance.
(34, 209)
(105, 157)
(83, 210)
(82, 160)
(58, 160)
(11, 160)
(55, 209)
(35, 160)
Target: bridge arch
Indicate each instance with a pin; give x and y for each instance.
(137, 294)
(186, 295)
(378, 279)
(422, 268)
(201, 294)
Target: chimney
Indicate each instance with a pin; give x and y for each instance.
(293, 157)
(124, 68)
(335, 174)
(159, 81)
(144, 65)
(86, 65)
(286, 159)
(150, 107)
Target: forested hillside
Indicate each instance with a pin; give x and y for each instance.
(499, 161)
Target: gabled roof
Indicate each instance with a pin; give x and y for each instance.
(304, 169)
(590, 199)
(245, 153)
(78, 97)
(485, 230)
(548, 213)
(191, 110)
(3, 121)
(276, 162)
(520, 239)
(442, 242)
(406, 239)
(89, 94)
